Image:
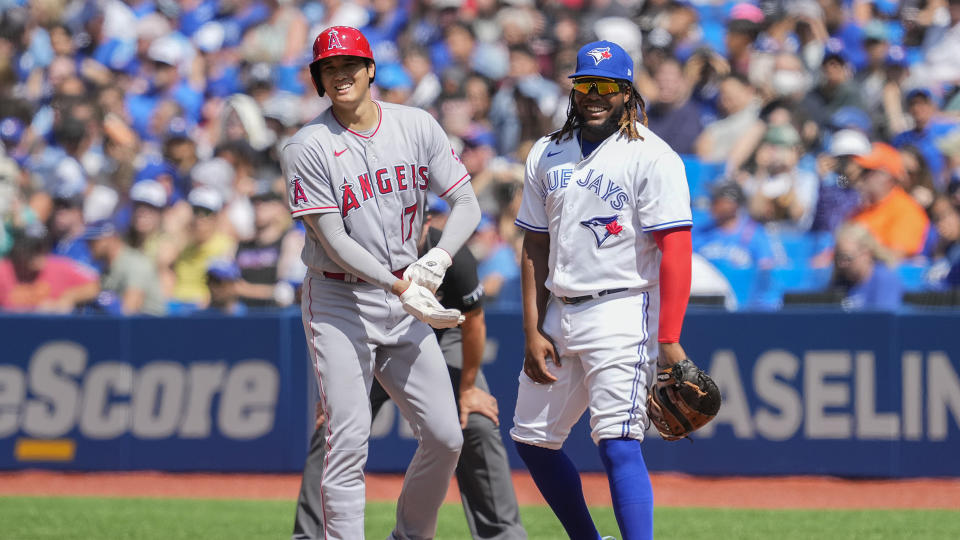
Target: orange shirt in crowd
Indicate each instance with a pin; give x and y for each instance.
(59, 274)
(897, 221)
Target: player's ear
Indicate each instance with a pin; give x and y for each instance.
(371, 70)
(315, 77)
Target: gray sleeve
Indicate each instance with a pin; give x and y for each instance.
(463, 220)
(346, 252)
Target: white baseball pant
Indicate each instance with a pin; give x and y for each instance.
(608, 353)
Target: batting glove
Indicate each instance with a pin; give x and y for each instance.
(422, 304)
(429, 269)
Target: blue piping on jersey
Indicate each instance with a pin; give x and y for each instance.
(669, 225)
(625, 427)
(529, 227)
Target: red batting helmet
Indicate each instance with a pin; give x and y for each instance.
(337, 41)
(341, 41)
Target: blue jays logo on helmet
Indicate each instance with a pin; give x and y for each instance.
(603, 227)
(600, 54)
(604, 59)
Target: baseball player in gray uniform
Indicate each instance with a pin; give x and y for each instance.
(358, 176)
(483, 472)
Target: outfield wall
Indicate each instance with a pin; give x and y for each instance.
(805, 393)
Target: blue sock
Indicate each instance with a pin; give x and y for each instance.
(559, 483)
(629, 487)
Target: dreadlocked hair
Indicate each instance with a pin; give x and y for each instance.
(634, 109)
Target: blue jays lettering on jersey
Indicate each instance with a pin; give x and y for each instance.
(593, 180)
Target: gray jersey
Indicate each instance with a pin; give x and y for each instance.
(377, 181)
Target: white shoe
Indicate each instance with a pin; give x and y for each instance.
(608, 538)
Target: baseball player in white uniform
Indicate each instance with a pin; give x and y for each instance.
(605, 279)
(358, 176)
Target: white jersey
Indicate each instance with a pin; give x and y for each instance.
(599, 210)
(377, 181)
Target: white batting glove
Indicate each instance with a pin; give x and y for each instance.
(429, 269)
(422, 304)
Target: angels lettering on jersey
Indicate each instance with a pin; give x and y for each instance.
(354, 193)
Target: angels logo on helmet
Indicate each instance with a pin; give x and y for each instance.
(334, 42)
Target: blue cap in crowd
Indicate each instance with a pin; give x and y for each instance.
(223, 270)
(154, 169)
(11, 130)
(99, 229)
(851, 117)
(178, 128)
(834, 50)
(924, 93)
(479, 136)
(897, 56)
(604, 59)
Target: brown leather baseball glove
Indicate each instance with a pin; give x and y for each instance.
(683, 400)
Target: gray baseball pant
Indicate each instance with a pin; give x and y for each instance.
(357, 332)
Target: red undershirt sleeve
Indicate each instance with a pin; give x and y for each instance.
(677, 248)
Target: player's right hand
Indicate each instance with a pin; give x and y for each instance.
(422, 304)
(538, 349)
(429, 269)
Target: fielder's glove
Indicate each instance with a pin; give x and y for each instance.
(422, 304)
(683, 400)
(429, 269)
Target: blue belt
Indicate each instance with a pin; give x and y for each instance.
(584, 298)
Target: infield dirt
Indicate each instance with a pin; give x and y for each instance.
(670, 489)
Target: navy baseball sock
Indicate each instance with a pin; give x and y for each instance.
(629, 486)
(559, 483)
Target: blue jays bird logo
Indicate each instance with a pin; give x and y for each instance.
(334, 42)
(600, 54)
(603, 227)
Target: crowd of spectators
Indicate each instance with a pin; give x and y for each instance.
(139, 138)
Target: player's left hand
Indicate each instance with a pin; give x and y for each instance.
(429, 269)
(476, 400)
(423, 305)
(670, 354)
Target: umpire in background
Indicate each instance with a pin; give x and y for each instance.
(483, 472)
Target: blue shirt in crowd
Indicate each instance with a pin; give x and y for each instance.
(745, 246)
(881, 292)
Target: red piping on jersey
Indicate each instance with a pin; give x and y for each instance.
(370, 136)
(676, 245)
(295, 212)
(323, 397)
(455, 185)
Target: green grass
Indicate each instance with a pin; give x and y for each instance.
(96, 518)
